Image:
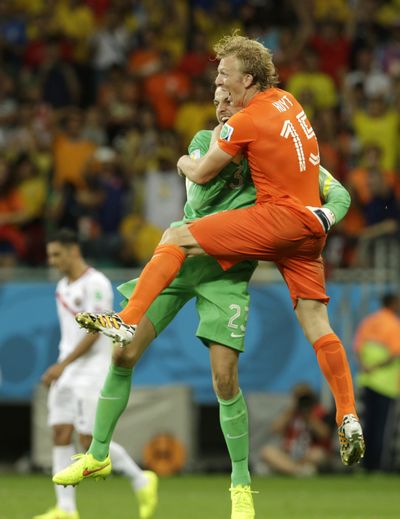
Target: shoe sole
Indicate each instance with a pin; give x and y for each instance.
(92, 327)
(357, 449)
(96, 478)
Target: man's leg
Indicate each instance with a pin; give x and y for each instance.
(234, 425)
(158, 274)
(233, 410)
(63, 450)
(376, 413)
(331, 355)
(112, 402)
(117, 387)
(282, 462)
(160, 271)
(144, 482)
(332, 359)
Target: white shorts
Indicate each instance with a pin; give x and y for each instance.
(75, 405)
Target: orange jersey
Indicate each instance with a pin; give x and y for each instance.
(281, 148)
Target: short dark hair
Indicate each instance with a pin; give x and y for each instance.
(389, 299)
(64, 236)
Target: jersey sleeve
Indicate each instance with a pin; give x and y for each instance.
(202, 195)
(99, 295)
(333, 195)
(237, 133)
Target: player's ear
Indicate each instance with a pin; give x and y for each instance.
(248, 80)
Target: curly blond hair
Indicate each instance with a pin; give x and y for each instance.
(254, 57)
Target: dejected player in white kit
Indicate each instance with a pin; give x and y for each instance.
(76, 379)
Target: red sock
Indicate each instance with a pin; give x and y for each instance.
(333, 362)
(159, 272)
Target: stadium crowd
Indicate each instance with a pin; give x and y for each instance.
(98, 99)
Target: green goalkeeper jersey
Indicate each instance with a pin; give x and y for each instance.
(233, 187)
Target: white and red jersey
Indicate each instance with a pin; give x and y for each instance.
(91, 292)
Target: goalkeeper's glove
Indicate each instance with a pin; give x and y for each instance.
(324, 215)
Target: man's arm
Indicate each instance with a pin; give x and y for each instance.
(56, 370)
(336, 200)
(207, 167)
(333, 195)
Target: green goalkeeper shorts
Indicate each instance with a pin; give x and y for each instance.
(222, 300)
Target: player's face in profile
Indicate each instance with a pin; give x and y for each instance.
(59, 257)
(231, 78)
(223, 106)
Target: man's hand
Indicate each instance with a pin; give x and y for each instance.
(215, 134)
(324, 215)
(52, 373)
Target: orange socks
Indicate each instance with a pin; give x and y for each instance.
(334, 365)
(159, 272)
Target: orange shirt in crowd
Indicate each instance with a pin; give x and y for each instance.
(165, 90)
(382, 327)
(70, 159)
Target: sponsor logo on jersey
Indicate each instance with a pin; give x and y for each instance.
(226, 132)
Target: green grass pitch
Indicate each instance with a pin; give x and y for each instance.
(206, 497)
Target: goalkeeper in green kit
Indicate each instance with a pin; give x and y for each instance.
(222, 301)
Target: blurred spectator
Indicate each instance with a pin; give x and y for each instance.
(374, 213)
(378, 123)
(193, 115)
(71, 151)
(164, 190)
(140, 238)
(165, 90)
(75, 19)
(146, 58)
(333, 48)
(304, 436)
(195, 60)
(32, 188)
(389, 54)
(377, 345)
(109, 43)
(12, 214)
(93, 129)
(365, 79)
(217, 21)
(59, 83)
(313, 88)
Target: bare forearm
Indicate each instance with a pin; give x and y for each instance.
(192, 170)
(82, 347)
(207, 167)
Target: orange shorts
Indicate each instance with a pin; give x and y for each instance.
(290, 236)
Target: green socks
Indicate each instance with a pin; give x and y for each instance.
(112, 402)
(235, 426)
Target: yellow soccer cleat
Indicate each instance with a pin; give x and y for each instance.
(242, 502)
(108, 324)
(351, 440)
(57, 513)
(148, 496)
(85, 466)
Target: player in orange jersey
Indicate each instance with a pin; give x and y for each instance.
(286, 225)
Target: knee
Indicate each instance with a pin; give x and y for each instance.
(313, 318)
(225, 385)
(124, 357)
(62, 436)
